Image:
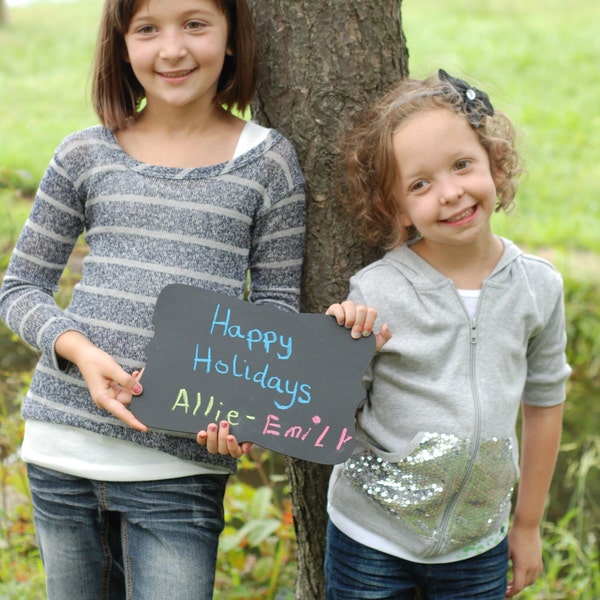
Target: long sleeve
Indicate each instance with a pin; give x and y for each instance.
(146, 227)
(40, 256)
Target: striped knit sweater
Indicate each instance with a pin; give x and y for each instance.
(146, 227)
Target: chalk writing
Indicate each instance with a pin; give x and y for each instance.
(237, 368)
(211, 411)
(273, 427)
(252, 337)
(287, 382)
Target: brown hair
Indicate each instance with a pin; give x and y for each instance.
(116, 92)
(368, 168)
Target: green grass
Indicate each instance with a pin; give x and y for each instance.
(45, 57)
(539, 62)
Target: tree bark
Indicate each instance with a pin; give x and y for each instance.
(320, 62)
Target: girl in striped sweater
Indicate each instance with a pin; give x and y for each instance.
(172, 187)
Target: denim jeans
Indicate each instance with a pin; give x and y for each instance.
(150, 540)
(355, 571)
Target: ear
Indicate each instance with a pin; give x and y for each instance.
(403, 216)
(498, 174)
(499, 177)
(405, 220)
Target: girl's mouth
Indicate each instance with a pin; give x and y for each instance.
(463, 217)
(177, 74)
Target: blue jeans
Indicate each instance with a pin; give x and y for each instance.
(354, 571)
(149, 540)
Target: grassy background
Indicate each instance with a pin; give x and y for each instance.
(45, 64)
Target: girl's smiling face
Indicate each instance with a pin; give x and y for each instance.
(176, 49)
(444, 184)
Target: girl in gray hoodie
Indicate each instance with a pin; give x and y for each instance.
(479, 335)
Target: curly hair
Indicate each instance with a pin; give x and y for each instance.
(367, 170)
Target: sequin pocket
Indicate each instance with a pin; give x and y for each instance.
(420, 488)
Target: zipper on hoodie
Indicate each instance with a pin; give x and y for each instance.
(473, 331)
(477, 418)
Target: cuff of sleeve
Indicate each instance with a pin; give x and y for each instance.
(50, 333)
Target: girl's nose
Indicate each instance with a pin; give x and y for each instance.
(173, 47)
(451, 191)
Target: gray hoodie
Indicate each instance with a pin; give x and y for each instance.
(436, 459)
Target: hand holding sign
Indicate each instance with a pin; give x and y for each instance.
(218, 439)
(288, 382)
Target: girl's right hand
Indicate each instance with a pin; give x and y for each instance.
(218, 439)
(110, 386)
(361, 320)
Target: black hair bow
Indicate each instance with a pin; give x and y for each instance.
(476, 103)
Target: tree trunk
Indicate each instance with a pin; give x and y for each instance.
(320, 62)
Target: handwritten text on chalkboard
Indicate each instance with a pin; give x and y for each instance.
(288, 382)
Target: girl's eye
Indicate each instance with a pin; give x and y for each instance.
(146, 29)
(418, 186)
(462, 164)
(194, 25)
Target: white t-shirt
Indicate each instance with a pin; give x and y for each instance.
(470, 299)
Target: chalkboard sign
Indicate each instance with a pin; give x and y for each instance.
(287, 382)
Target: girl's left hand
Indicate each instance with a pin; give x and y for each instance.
(525, 553)
(217, 439)
(361, 320)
